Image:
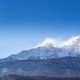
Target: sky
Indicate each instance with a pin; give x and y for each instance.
(25, 23)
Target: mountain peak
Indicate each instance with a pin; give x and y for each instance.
(51, 42)
(73, 41)
(48, 43)
(50, 49)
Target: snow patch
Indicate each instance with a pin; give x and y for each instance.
(48, 43)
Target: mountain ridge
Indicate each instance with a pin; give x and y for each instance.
(49, 49)
(47, 61)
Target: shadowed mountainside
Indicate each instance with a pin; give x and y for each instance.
(17, 77)
(62, 67)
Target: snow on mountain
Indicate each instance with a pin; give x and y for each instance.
(74, 41)
(73, 45)
(48, 43)
(50, 49)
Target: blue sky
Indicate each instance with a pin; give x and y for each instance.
(24, 23)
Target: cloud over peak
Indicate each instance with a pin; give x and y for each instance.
(51, 42)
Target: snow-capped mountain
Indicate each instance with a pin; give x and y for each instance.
(73, 45)
(49, 49)
(46, 59)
